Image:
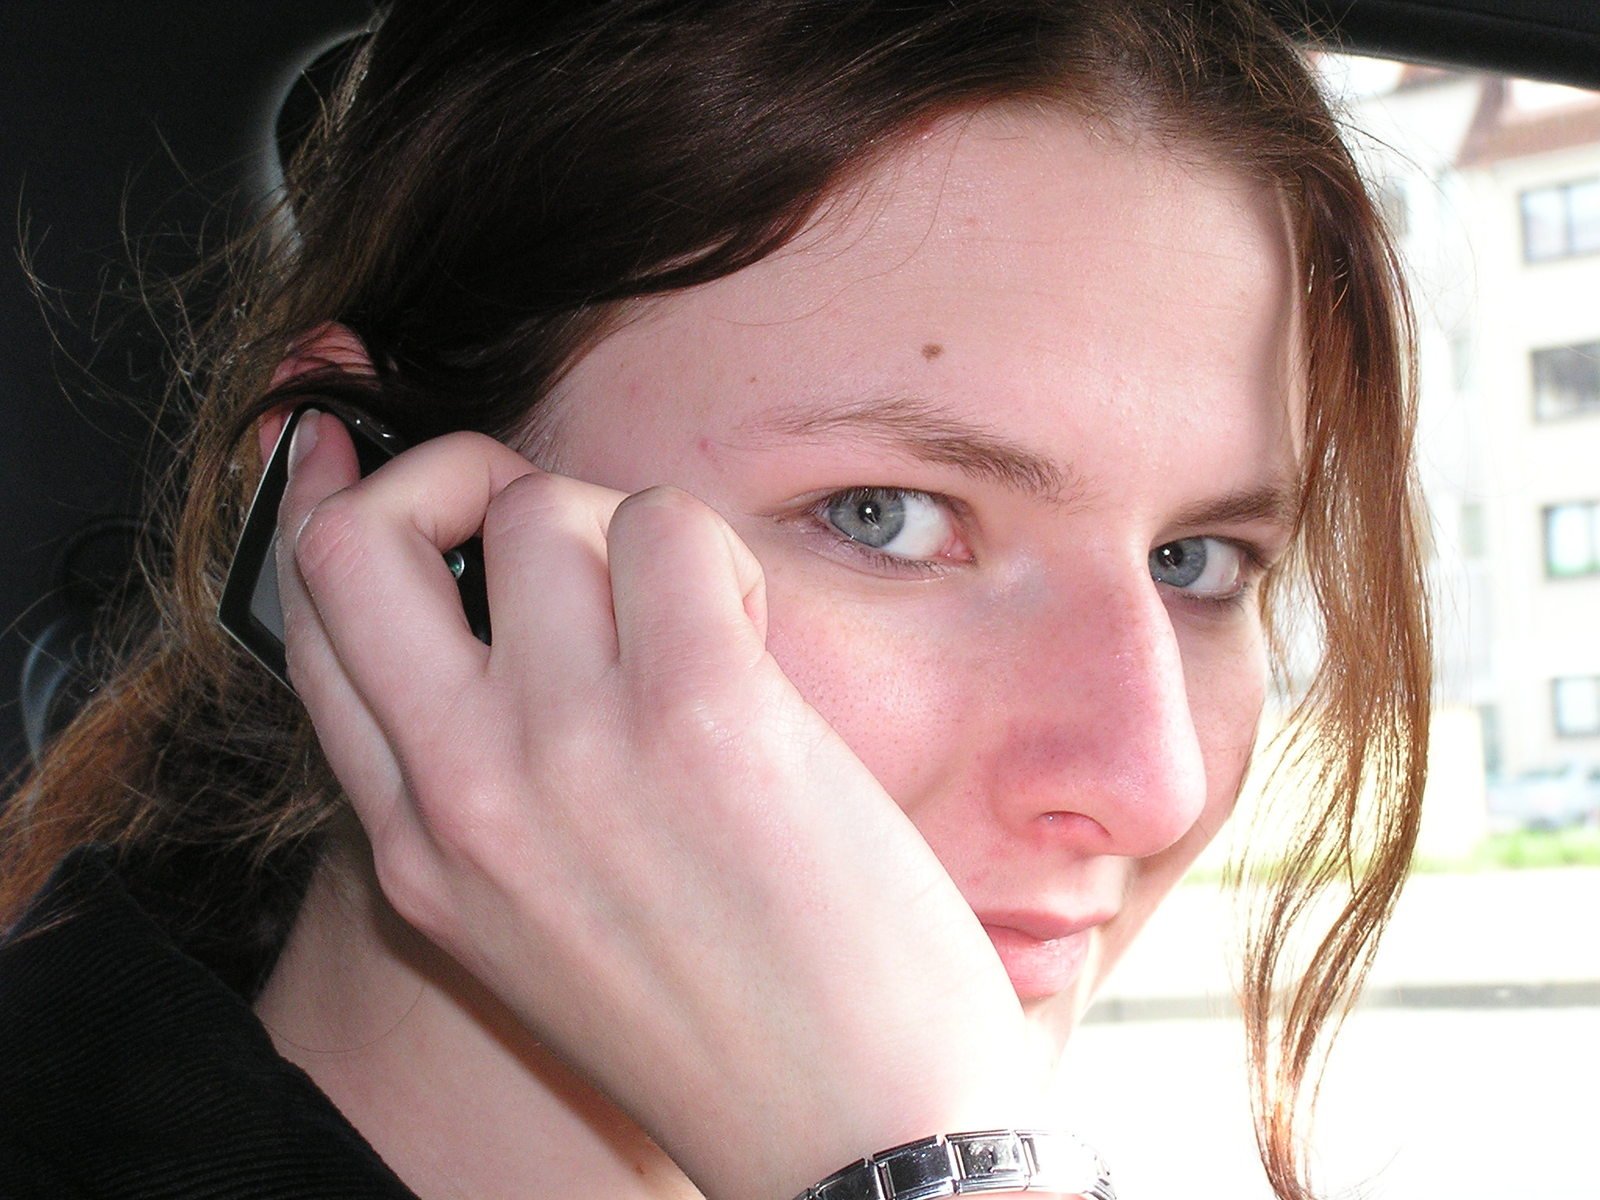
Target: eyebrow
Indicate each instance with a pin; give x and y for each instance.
(922, 430)
(1277, 502)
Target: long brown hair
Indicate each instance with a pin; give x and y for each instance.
(492, 187)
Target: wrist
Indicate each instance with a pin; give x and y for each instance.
(801, 1126)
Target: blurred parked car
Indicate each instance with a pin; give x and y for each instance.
(1546, 798)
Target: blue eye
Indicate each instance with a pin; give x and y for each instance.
(893, 521)
(1179, 564)
(1205, 567)
(872, 516)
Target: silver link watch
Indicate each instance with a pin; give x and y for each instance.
(963, 1164)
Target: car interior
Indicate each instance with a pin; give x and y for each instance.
(134, 133)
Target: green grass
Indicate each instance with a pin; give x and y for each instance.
(1576, 847)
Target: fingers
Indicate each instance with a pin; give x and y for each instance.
(579, 581)
(549, 587)
(370, 557)
(315, 472)
(323, 463)
(688, 594)
(378, 645)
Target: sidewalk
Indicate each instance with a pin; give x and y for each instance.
(1512, 938)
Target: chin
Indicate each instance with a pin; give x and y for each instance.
(1054, 1017)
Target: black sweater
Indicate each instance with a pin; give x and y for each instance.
(129, 1070)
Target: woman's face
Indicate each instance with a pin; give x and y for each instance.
(1011, 430)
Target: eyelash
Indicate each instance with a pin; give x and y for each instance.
(877, 559)
(1255, 570)
(1256, 564)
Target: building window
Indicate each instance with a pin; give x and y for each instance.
(1560, 221)
(1392, 205)
(1577, 705)
(1474, 536)
(1566, 381)
(1461, 361)
(1489, 724)
(1572, 539)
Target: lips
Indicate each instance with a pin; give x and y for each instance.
(1043, 955)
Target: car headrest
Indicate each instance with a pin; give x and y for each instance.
(93, 576)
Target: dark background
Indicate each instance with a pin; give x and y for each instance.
(127, 128)
(130, 127)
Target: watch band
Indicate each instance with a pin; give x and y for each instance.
(962, 1164)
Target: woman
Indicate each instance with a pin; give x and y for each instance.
(1006, 364)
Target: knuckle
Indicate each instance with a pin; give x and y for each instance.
(469, 441)
(468, 815)
(668, 517)
(664, 502)
(412, 886)
(526, 501)
(542, 506)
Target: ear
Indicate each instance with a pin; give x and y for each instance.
(329, 345)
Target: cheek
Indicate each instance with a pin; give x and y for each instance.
(1225, 679)
(895, 680)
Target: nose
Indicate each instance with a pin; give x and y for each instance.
(1101, 753)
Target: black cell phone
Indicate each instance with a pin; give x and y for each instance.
(250, 609)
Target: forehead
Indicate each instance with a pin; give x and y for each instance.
(1083, 221)
(1025, 266)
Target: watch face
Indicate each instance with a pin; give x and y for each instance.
(250, 608)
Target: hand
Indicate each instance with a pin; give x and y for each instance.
(626, 822)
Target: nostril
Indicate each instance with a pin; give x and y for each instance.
(1062, 824)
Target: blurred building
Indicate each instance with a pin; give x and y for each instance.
(1493, 187)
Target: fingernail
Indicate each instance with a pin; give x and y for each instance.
(305, 437)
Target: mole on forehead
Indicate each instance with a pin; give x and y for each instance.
(931, 350)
